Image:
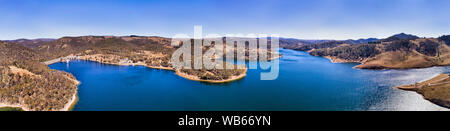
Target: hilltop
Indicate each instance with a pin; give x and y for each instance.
(435, 90)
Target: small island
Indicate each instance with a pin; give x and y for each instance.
(436, 90)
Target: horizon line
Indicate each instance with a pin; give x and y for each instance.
(284, 37)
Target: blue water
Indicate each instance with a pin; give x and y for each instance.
(305, 83)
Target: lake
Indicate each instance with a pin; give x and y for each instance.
(305, 83)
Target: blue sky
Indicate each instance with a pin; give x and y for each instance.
(306, 19)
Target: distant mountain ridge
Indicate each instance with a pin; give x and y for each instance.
(405, 36)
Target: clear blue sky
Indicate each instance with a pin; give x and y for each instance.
(307, 19)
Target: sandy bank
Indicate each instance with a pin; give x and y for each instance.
(71, 104)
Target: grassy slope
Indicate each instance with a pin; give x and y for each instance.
(113, 50)
(436, 90)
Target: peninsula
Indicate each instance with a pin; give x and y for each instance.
(152, 52)
(401, 51)
(26, 82)
(436, 90)
(203, 75)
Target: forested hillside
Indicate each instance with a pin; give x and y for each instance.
(26, 82)
(398, 51)
(154, 52)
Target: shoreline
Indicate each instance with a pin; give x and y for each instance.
(419, 85)
(413, 87)
(67, 107)
(336, 60)
(178, 73)
(274, 58)
(362, 65)
(5, 105)
(195, 78)
(438, 83)
(128, 64)
(71, 104)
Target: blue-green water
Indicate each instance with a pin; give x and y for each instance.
(305, 83)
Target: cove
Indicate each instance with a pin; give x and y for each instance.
(305, 83)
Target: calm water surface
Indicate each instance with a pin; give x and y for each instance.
(305, 83)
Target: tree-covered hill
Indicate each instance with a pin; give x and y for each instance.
(398, 51)
(25, 81)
